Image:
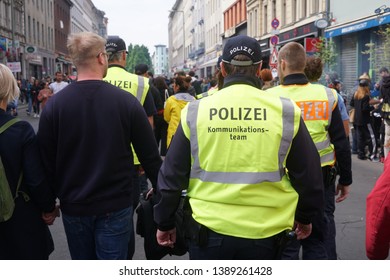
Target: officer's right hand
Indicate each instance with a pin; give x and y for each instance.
(302, 231)
(166, 238)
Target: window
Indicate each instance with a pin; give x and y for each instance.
(265, 19)
(33, 25)
(38, 33)
(29, 27)
(304, 8)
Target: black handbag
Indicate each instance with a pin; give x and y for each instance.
(147, 228)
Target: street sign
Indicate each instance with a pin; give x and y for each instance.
(274, 72)
(274, 40)
(273, 60)
(311, 44)
(275, 23)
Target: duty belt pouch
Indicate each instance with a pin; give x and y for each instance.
(196, 232)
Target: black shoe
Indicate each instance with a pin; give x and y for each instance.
(362, 157)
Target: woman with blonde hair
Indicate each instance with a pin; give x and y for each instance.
(176, 103)
(361, 101)
(23, 232)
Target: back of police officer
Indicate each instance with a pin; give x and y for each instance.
(137, 86)
(323, 120)
(231, 152)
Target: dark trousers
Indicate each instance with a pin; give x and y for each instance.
(365, 137)
(224, 247)
(321, 243)
(160, 133)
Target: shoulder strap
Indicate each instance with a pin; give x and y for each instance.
(5, 126)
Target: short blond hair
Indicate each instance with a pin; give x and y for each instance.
(84, 46)
(295, 56)
(9, 89)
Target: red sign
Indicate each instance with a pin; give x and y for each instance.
(275, 23)
(311, 44)
(273, 60)
(274, 40)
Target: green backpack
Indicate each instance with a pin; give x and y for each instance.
(7, 201)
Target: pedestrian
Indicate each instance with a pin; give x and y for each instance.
(35, 89)
(266, 77)
(44, 94)
(85, 136)
(231, 152)
(384, 87)
(362, 102)
(175, 103)
(137, 86)
(160, 125)
(25, 235)
(378, 217)
(58, 84)
(322, 117)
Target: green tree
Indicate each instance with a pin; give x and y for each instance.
(378, 51)
(327, 53)
(137, 55)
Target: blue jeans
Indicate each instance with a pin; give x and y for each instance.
(104, 237)
(224, 247)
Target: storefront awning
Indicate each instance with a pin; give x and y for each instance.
(357, 26)
(209, 63)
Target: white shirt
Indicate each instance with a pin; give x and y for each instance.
(56, 87)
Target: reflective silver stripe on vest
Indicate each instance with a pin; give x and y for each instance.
(324, 144)
(140, 89)
(327, 158)
(331, 101)
(241, 177)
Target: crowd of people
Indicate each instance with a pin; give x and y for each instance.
(35, 93)
(232, 145)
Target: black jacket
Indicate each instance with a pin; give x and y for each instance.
(25, 236)
(362, 110)
(84, 134)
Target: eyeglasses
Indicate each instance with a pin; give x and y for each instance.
(106, 54)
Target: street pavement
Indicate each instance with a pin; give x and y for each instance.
(349, 215)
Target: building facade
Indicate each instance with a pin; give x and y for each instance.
(12, 35)
(39, 55)
(160, 60)
(61, 31)
(351, 33)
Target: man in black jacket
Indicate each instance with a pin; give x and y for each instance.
(85, 134)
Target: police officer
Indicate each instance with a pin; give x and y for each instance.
(137, 86)
(323, 120)
(231, 152)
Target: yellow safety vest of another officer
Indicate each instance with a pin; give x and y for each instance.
(316, 103)
(239, 145)
(134, 84)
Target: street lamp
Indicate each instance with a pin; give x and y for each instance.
(184, 35)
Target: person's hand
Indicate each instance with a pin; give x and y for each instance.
(49, 218)
(166, 238)
(343, 191)
(302, 231)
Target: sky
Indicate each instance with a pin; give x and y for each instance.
(138, 22)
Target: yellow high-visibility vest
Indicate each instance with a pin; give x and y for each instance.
(134, 84)
(240, 139)
(316, 103)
